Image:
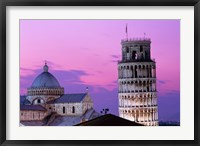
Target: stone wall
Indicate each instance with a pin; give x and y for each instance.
(72, 109)
(65, 109)
(87, 103)
(42, 98)
(32, 115)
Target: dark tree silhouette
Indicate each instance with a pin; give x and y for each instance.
(104, 111)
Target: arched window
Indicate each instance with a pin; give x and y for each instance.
(146, 57)
(38, 101)
(127, 50)
(73, 109)
(141, 48)
(135, 71)
(63, 109)
(142, 56)
(147, 88)
(134, 57)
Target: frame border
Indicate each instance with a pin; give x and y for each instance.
(4, 3)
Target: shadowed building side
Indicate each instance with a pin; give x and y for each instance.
(109, 120)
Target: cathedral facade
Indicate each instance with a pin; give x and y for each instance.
(46, 99)
(137, 82)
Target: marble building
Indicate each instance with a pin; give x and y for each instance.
(137, 82)
(46, 100)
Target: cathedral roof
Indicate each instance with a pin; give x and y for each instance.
(22, 99)
(32, 108)
(45, 79)
(69, 98)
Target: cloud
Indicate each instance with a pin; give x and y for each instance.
(25, 71)
(113, 83)
(173, 92)
(51, 65)
(69, 76)
(115, 56)
(114, 61)
(161, 81)
(99, 71)
(65, 77)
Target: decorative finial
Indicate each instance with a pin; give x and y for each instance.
(45, 68)
(87, 89)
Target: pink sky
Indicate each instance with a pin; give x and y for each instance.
(91, 48)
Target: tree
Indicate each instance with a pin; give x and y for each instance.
(104, 111)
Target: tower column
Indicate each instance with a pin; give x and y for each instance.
(130, 72)
(149, 71)
(126, 72)
(153, 115)
(143, 115)
(156, 115)
(139, 115)
(141, 72)
(145, 70)
(135, 115)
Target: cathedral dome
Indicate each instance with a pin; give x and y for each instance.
(45, 80)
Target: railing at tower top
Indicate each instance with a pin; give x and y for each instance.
(135, 60)
(135, 39)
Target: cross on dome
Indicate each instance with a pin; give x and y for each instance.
(45, 68)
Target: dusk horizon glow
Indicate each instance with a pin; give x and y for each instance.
(85, 53)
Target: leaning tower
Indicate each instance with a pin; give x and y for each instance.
(137, 82)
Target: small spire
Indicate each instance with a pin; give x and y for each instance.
(87, 89)
(45, 68)
(127, 31)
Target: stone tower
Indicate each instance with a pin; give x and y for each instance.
(137, 82)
